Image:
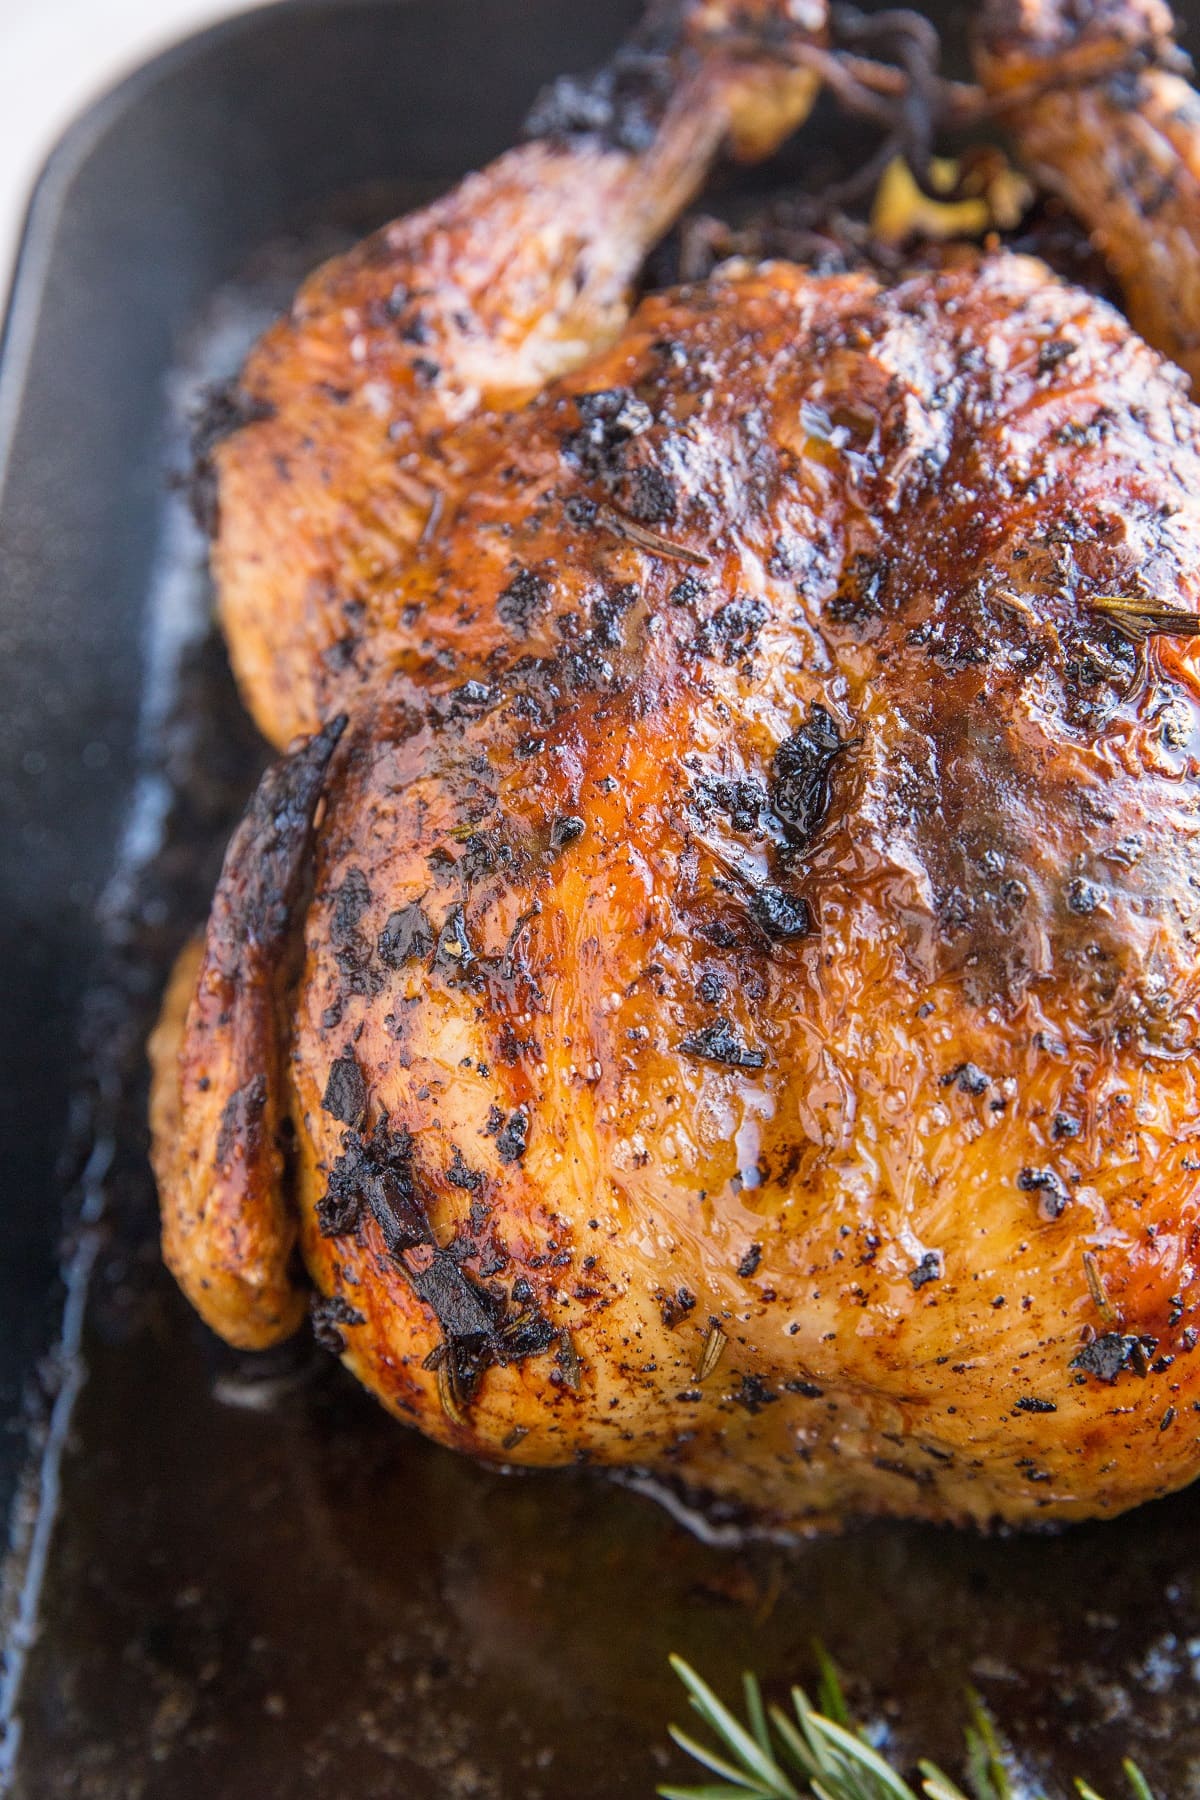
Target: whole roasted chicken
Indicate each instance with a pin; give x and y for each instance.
(712, 984)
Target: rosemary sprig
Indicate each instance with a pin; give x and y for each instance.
(822, 1755)
(1139, 618)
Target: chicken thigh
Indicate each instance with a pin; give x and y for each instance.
(717, 991)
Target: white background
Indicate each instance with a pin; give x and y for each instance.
(55, 56)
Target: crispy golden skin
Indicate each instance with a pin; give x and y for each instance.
(1117, 137)
(218, 1113)
(747, 1021)
(356, 399)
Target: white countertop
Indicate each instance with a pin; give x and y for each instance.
(55, 57)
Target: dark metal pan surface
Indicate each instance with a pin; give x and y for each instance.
(250, 1583)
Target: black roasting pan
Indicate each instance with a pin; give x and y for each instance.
(234, 1578)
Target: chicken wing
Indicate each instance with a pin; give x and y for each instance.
(351, 409)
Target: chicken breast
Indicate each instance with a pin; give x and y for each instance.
(743, 1022)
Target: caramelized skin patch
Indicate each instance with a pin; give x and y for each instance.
(1117, 138)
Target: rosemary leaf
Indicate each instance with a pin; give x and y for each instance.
(734, 1736)
(756, 1712)
(861, 1758)
(938, 1786)
(645, 539)
(711, 1351)
(717, 1765)
(1142, 618)
(806, 1746)
(830, 1698)
(837, 1758)
(723, 1792)
(795, 1745)
(985, 1759)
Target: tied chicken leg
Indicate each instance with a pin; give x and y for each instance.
(718, 993)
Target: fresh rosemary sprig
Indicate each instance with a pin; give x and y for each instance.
(822, 1755)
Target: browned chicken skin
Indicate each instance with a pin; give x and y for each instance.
(747, 1018)
(357, 399)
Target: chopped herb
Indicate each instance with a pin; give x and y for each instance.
(345, 1096)
(1108, 1356)
(512, 1140)
(800, 795)
(567, 1358)
(1054, 1197)
(780, 915)
(406, 936)
(1097, 1289)
(968, 1078)
(1138, 618)
(719, 1043)
(711, 1351)
(645, 538)
(928, 1269)
(566, 831)
(526, 1333)
(453, 1392)
(454, 946)
(328, 1314)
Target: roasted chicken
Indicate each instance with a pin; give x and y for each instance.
(714, 987)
